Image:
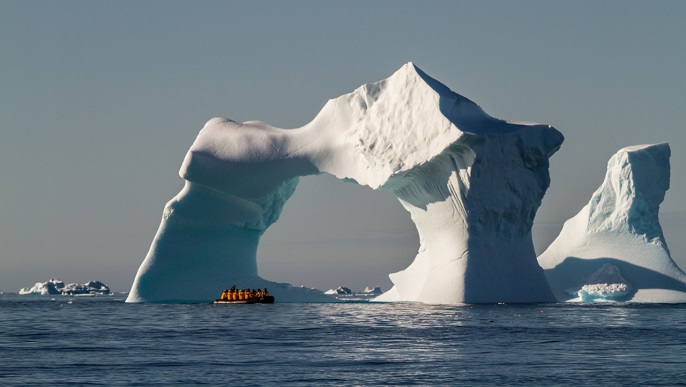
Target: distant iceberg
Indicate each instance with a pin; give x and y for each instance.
(614, 248)
(56, 286)
(376, 290)
(53, 286)
(338, 291)
(343, 293)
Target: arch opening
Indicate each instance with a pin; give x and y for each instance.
(332, 233)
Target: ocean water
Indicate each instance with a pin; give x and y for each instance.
(60, 340)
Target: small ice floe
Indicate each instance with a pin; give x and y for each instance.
(606, 284)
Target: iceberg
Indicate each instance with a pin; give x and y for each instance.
(471, 183)
(376, 290)
(90, 287)
(56, 286)
(614, 248)
(343, 293)
(53, 286)
(338, 291)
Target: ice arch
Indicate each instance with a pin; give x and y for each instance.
(472, 185)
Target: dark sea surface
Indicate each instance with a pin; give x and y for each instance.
(60, 340)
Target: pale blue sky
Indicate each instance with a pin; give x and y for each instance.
(99, 101)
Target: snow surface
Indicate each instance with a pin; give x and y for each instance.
(472, 184)
(619, 227)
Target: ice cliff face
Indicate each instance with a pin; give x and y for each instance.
(619, 229)
(472, 184)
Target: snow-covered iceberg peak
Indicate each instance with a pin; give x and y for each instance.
(629, 199)
(620, 228)
(472, 184)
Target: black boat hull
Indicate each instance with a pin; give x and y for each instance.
(256, 300)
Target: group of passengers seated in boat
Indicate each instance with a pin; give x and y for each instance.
(243, 294)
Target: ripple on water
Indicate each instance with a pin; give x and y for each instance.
(105, 341)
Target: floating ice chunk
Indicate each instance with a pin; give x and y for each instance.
(604, 292)
(606, 284)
